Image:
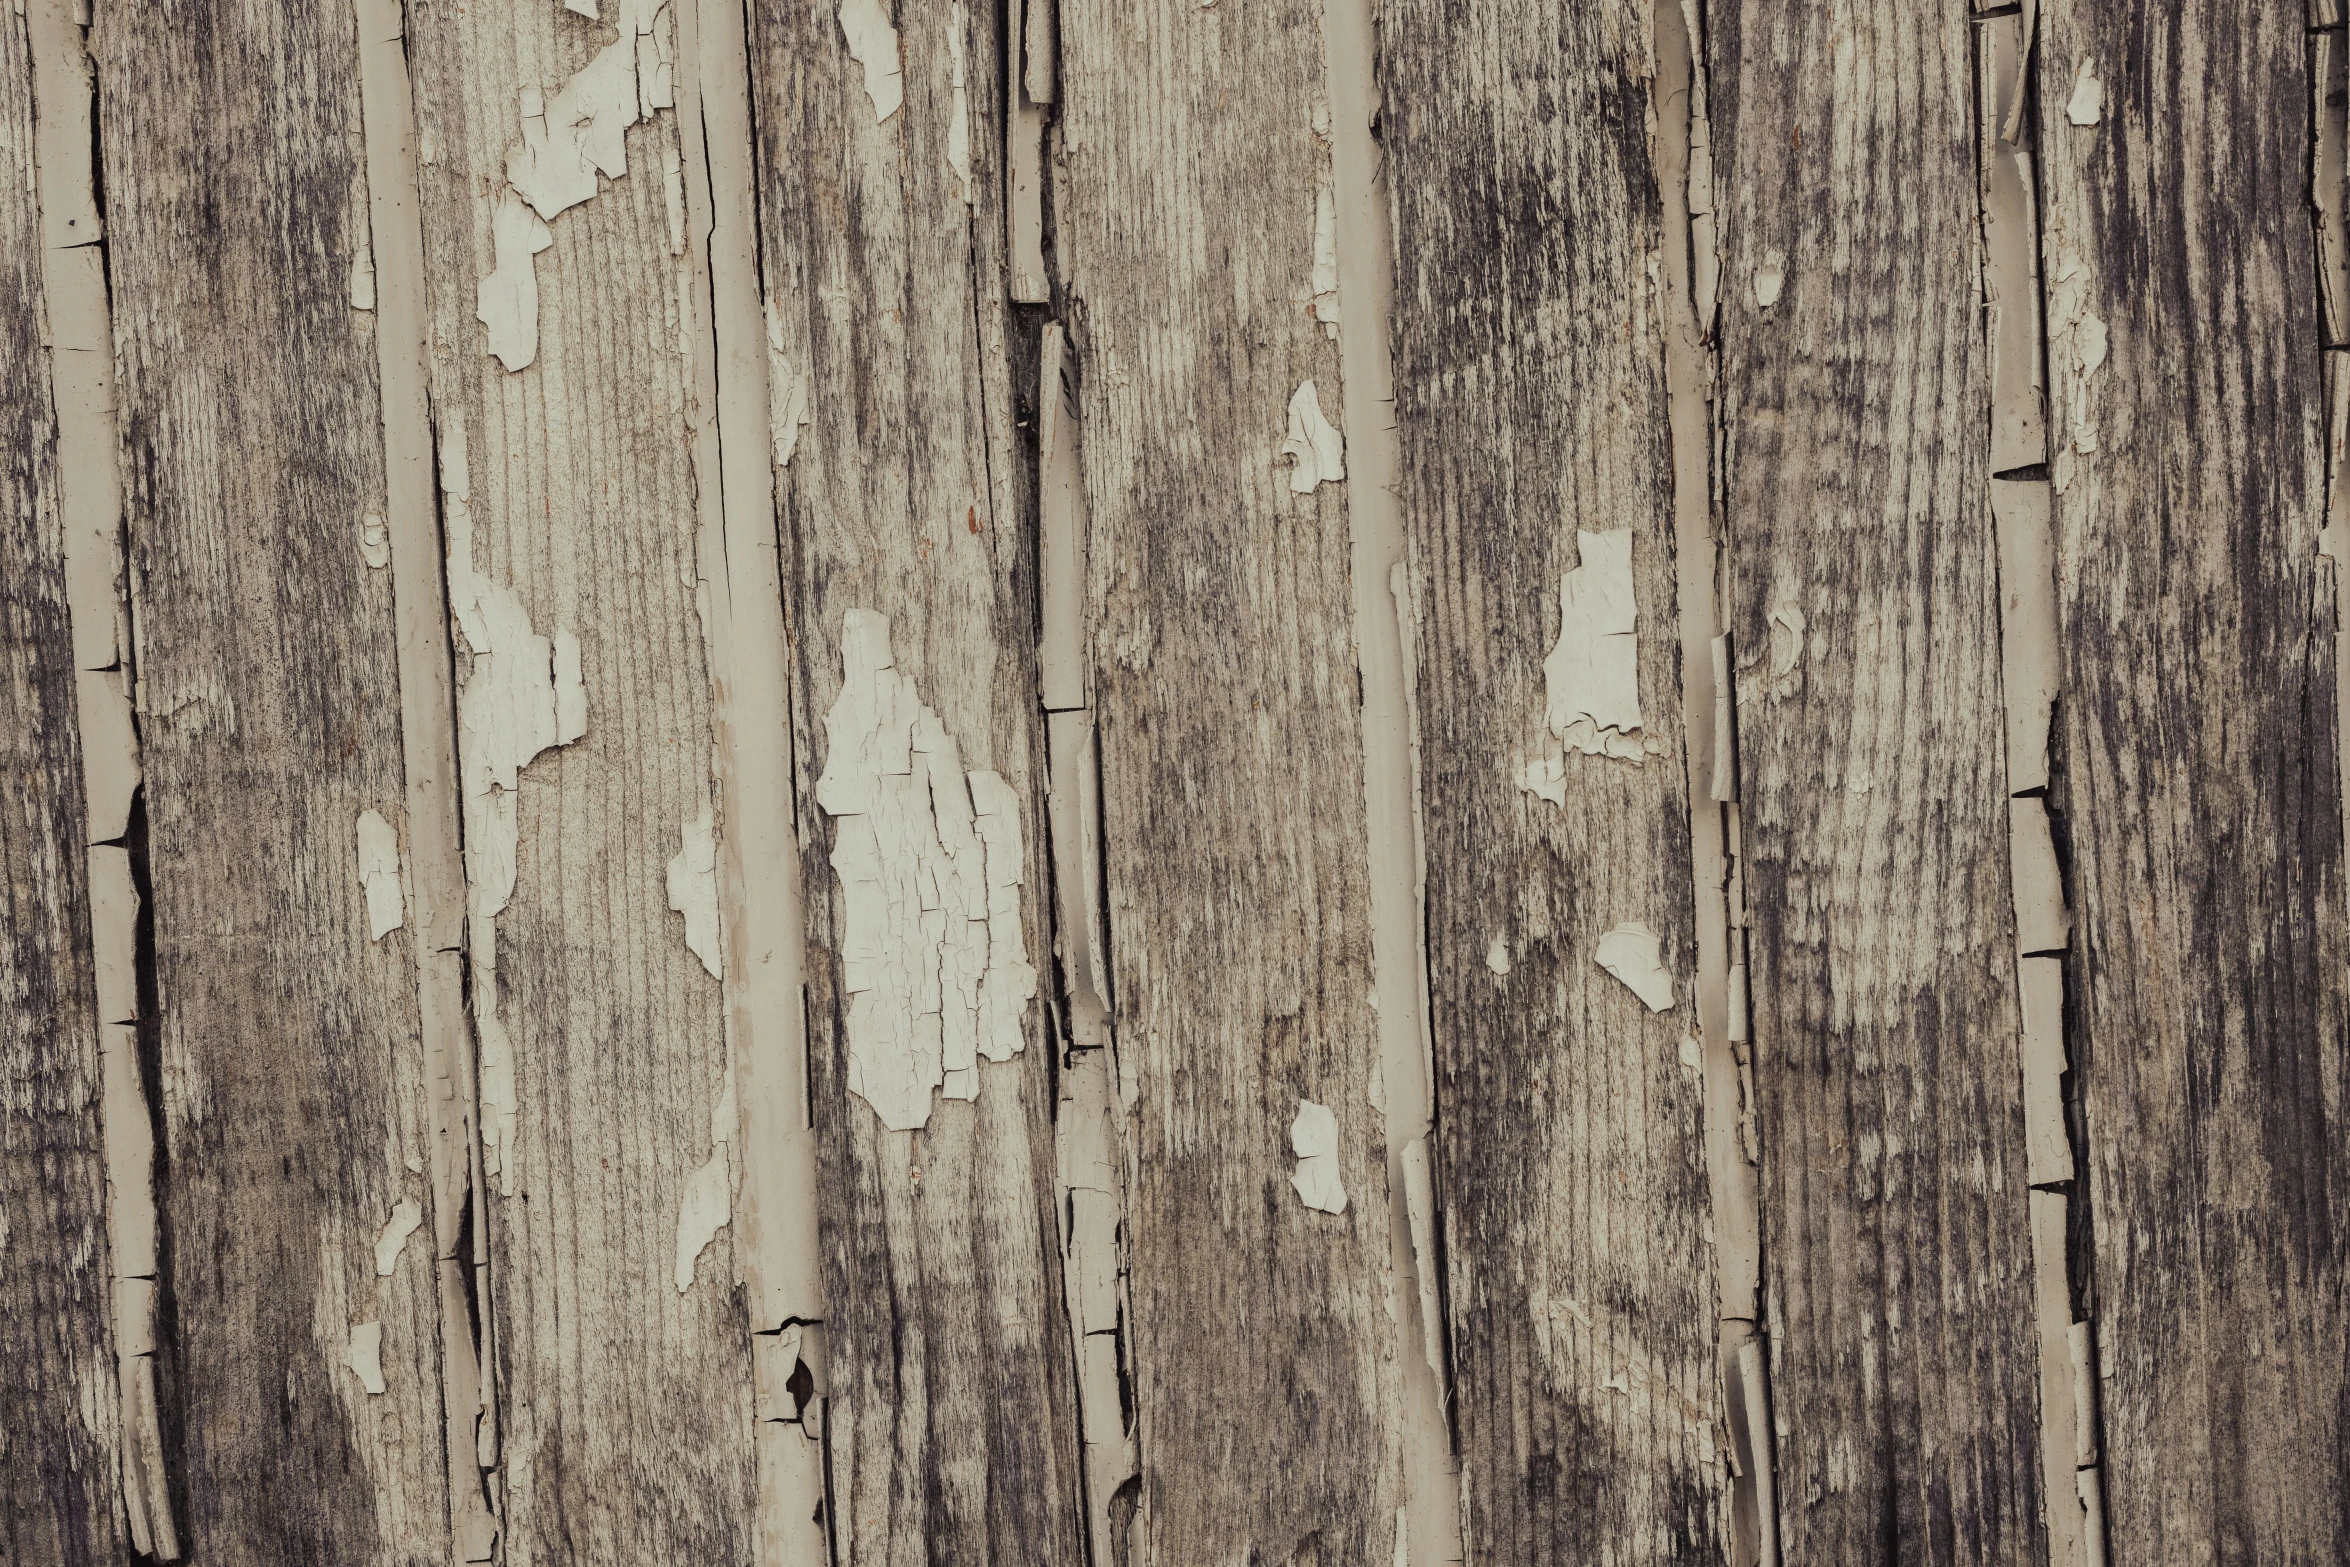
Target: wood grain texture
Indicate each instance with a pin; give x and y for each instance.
(58, 1428)
(293, 1083)
(954, 1414)
(1531, 395)
(1232, 783)
(1865, 613)
(624, 1403)
(2199, 784)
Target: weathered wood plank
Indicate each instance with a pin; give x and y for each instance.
(1232, 779)
(293, 1078)
(563, 370)
(1531, 394)
(58, 1426)
(1873, 805)
(907, 498)
(2197, 780)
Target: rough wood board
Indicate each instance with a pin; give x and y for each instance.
(1864, 607)
(2199, 787)
(1572, 1138)
(954, 1412)
(58, 1429)
(581, 500)
(1232, 784)
(293, 1083)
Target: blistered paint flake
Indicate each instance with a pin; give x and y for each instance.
(873, 44)
(1592, 675)
(693, 891)
(379, 874)
(1313, 446)
(1633, 954)
(929, 859)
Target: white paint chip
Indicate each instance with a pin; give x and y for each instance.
(406, 1216)
(693, 891)
(1592, 676)
(1313, 1136)
(959, 117)
(873, 44)
(1770, 279)
(1326, 247)
(708, 1201)
(2087, 104)
(375, 541)
(789, 410)
(1497, 956)
(1632, 953)
(1547, 777)
(1313, 445)
(363, 281)
(365, 1355)
(930, 863)
(379, 873)
(507, 301)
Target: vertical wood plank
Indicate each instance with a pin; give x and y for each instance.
(562, 372)
(1232, 780)
(293, 1080)
(907, 497)
(1531, 395)
(1866, 622)
(2198, 782)
(58, 1429)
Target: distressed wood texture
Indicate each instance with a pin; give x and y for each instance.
(2198, 781)
(953, 1415)
(1232, 782)
(58, 1430)
(292, 1074)
(1531, 396)
(1882, 953)
(622, 1398)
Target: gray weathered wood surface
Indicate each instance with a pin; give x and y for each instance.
(292, 1079)
(58, 1431)
(1232, 796)
(907, 495)
(541, 589)
(575, 475)
(2197, 779)
(1865, 617)
(1572, 1141)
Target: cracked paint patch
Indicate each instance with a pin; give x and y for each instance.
(693, 891)
(379, 874)
(1633, 954)
(507, 301)
(406, 1216)
(929, 859)
(1313, 446)
(2087, 104)
(707, 1204)
(1591, 677)
(375, 541)
(959, 117)
(873, 44)
(1313, 1137)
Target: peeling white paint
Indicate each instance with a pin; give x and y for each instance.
(365, 1355)
(1313, 446)
(929, 859)
(1633, 954)
(586, 8)
(406, 1216)
(707, 1204)
(518, 694)
(789, 410)
(1326, 249)
(693, 891)
(375, 541)
(379, 873)
(1788, 627)
(1313, 1136)
(1770, 279)
(1592, 676)
(1547, 777)
(363, 281)
(507, 301)
(959, 116)
(1497, 956)
(873, 44)
(2087, 104)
